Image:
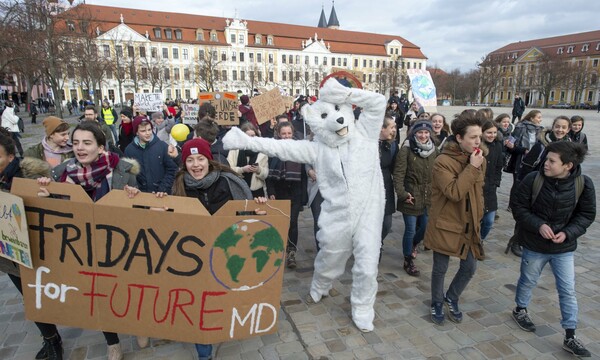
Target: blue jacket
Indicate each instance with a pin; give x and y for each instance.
(157, 168)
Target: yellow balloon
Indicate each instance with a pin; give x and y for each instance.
(180, 132)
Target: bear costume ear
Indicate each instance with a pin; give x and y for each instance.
(306, 111)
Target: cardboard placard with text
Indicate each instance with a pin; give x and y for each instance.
(120, 265)
(14, 238)
(268, 105)
(148, 101)
(226, 105)
(190, 113)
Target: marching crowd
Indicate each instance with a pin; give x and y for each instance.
(441, 175)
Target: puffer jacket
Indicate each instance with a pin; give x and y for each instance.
(493, 173)
(525, 134)
(10, 121)
(413, 174)
(456, 204)
(28, 168)
(554, 206)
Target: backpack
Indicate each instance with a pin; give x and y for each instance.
(21, 125)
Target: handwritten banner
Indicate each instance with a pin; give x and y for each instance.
(182, 274)
(268, 105)
(148, 101)
(226, 105)
(190, 113)
(14, 238)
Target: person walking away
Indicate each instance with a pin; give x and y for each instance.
(553, 208)
(33, 111)
(456, 212)
(518, 108)
(10, 122)
(413, 181)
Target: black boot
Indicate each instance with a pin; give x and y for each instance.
(515, 248)
(51, 349)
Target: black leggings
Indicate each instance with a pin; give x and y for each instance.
(16, 137)
(49, 330)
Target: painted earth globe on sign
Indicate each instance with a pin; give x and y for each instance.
(247, 255)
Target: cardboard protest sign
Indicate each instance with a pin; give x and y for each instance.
(14, 239)
(119, 265)
(226, 105)
(148, 101)
(190, 113)
(268, 105)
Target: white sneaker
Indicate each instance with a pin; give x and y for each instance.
(115, 352)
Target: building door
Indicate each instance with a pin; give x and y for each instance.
(527, 98)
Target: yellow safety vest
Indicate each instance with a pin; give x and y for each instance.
(109, 119)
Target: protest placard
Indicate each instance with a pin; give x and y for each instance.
(268, 105)
(148, 101)
(423, 88)
(356, 73)
(14, 239)
(181, 274)
(190, 113)
(226, 105)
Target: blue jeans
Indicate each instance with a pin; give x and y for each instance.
(204, 351)
(414, 231)
(563, 268)
(486, 223)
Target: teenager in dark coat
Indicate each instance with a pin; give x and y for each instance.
(493, 175)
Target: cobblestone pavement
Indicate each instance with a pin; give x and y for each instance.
(402, 326)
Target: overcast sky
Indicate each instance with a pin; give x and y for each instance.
(452, 34)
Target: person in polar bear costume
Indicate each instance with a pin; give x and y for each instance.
(345, 155)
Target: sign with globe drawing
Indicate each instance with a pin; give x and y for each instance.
(180, 274)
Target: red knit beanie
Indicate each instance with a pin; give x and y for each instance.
(197, 146)
(138, 120)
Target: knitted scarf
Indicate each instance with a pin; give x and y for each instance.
(237, 187)
(284, 170)
(90, 177)
(423, 150)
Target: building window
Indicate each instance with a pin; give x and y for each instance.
(377, 64)
(598, 46)
(260, 76)
(178, 34)
(396, 51)
(283, 59)
(167, 74)
(324, 60)
(364, 63)
(283, 76)
(297, 78)
(560, 50)
(306, 78)
(420, 65)
(213, 36)
(258, 39)
(175, 53)
(595, 63)
(291, 59)
(270, 76)
(165, 53)
(251, 74)
(233, 56)
(106, 50)
(142, 51)
(176, 74)
(562, 96)
(234, 75)
(154, 52)
(168, 34)
(184, 54)
(408, 65)
(199, 35)
(355, 63)
(251, 57)
(188, 94)
(241, 57)
(316, 60)
(119, 50)
(316, 76)
(258, 57)
(241, 39)
(242, 75)
(270, 58)
(144, 73)
(509, 81)
(201, 54)
(339, 61)
(306, 60)
(157, 33)
(370, 63)
(186, 74)
(590, 95)
(291, 75)
(585, 47)
(130, 51)
(297, 59)
(223, 56)
(233, 38)
(570, 49)
(224, 75)
(270, 40)
(370, 77)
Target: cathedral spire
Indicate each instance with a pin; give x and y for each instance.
(322, 19)
(333, 20)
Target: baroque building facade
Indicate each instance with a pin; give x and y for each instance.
(181, 55)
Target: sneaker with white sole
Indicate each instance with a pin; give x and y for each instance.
(454, 313)
(575, 347)
(523, 320)
(437, 313)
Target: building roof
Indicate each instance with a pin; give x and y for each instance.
(322, 19)
(286, 36)
(333, 20)
(551, 45)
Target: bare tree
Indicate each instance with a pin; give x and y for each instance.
(206, 69)
(491, 68)
(552, 72)
(580, 74)
(154, 73)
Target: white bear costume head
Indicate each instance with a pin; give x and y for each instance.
(330, 118)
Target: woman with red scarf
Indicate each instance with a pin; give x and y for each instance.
(126, 134)
(98, 171)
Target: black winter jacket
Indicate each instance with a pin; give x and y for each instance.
(493, 174)
(387, 159)
(555, 206)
